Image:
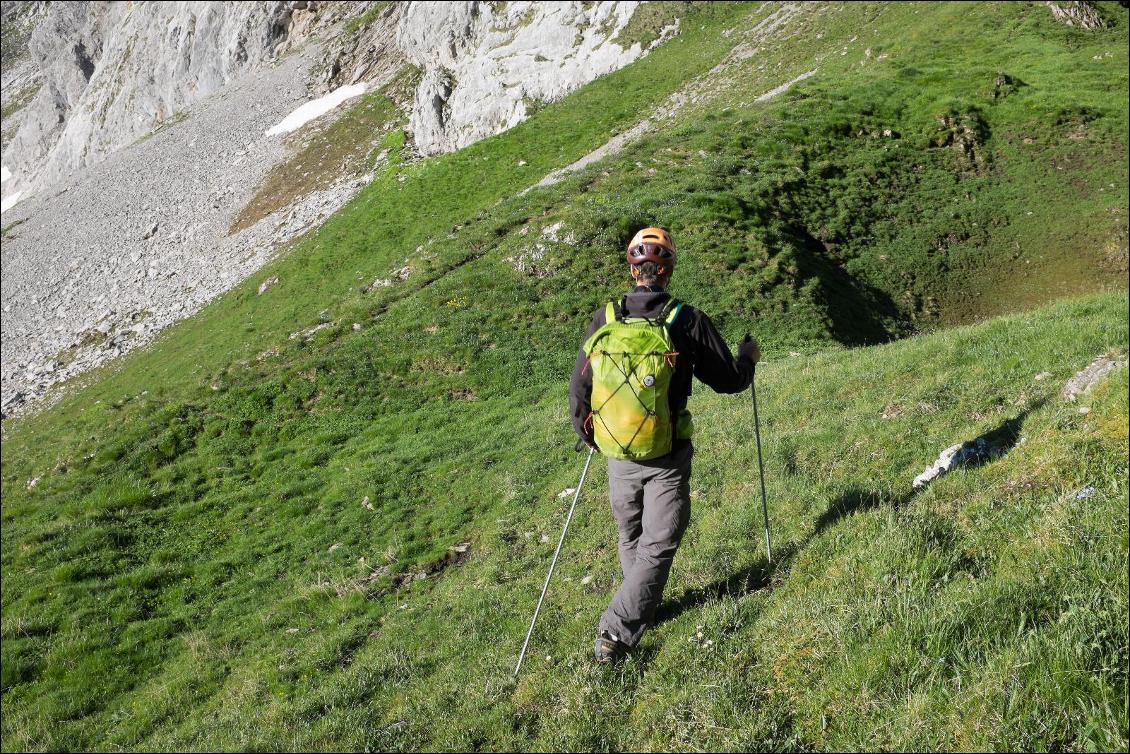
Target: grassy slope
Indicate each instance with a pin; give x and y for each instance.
(189, 500)
(988, 612)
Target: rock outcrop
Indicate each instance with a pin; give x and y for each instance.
(1086, 379)
(107, 74)
(1078, 13)
(488, 66)
(20, 77)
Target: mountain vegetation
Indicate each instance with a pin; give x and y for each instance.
(317, 514)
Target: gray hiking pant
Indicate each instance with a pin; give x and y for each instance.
(651, 501)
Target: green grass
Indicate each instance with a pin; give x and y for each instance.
(148, 605)
(353, 25)
(353, 139)
(648, 21)
(16, 34)
(195, 568)
(17, 101)
(11, 227)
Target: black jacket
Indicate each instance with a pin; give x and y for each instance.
(702, 354)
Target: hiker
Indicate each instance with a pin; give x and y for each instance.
(628, 397)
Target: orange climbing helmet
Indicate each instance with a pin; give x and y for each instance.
(653, 245)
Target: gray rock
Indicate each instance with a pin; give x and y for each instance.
(378, 283)
(94, 226)
(954, 456)
(203, 82)
(1078, 13)
(1087, 378)
(485, 63)
(267, 284)
(113, 72)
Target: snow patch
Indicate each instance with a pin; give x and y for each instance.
(10, 202)
(5, 174)
(316, 108)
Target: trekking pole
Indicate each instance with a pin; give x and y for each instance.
(760, 464)
(548, 576)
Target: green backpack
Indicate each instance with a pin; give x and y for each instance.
(633, 361)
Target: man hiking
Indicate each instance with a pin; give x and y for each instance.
(628, 396)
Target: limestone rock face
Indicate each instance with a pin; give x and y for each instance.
(111, 72)
(486, 66)
(20, 77)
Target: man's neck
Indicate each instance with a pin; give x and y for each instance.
(640, 288)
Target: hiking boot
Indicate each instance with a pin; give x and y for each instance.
(609, 649)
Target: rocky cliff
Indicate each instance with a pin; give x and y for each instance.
(486, 66)
(112, 72)
(104, 74)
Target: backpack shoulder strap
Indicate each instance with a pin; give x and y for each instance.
(671, 312)
(614, 312)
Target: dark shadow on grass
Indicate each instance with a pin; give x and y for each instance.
(987, 447)
(641, 658)
(758, 576)
(746, 581)
(1001, 439)
(858, 313)
(852, 501)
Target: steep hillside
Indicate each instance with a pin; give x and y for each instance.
(313, 515)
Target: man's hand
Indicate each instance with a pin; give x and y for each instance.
(748, 349)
